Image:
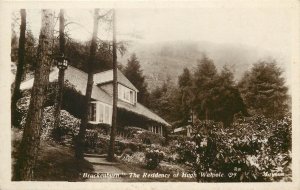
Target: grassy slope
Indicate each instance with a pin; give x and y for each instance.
(55, 162)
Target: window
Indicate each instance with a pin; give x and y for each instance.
(92, 115)
(131, 97)
(126, 94)
(156, 129)
(100, 112)
(106, 120)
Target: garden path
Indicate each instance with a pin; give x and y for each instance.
(105, 171)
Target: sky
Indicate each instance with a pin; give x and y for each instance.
(265, 27)
(268, 28)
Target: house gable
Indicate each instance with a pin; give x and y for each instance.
(106, 77)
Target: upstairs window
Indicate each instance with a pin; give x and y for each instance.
(126, 94)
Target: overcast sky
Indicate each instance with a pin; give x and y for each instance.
(266, 27)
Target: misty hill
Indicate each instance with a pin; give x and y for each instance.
(164, 60)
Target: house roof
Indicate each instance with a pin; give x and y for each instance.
(78, 78)
(107, 76)
(141, 110)
(184, 128)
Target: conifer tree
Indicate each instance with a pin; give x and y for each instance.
(264, 89)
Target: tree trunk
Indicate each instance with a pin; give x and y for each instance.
(61, 74)
(111, 151)
(20, 69)
(84, 120)
(29, 146)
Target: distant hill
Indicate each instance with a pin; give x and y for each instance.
(167, 59)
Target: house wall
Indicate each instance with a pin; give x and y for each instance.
(109, 89)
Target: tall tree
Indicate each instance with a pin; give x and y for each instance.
(217, 97)
(264, 89)
(111, 152)
(20, 68)
(205, 78)
(135, 75)
(186, 94)
(29, 146)
(61, 74)
(84, 120)
(164, 101)
(227, 99)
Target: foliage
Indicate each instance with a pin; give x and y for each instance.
(70, 95)
(78, 53)
(185, 95)
(143, 136)
(97, 142)
(102, 128)
(68, 127)
(247, 149)
(136, 158)
(281, 140)
(135, 75)
(264, 89)
(216, 95)
(209, 94)
(31, 51)
(153, 157)
(180, 138)
(164, 101)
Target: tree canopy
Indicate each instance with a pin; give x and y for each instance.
(135, 75)
(264, 89)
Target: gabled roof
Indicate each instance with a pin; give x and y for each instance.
(107, 77)
(141, 110)
(78, 78)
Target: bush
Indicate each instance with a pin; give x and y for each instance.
(68, 128)
(281, 140)
(102, 128)
(97, 142)
(143, 136)
(180, 138)
(153, 157)
(252, 148)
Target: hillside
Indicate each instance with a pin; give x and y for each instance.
(167, 59)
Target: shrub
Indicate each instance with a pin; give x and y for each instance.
(180, 138)
(102, 128)
(281, 140)
(254, 146)
(153, 157)
(135, 158)
(97, 142)
(143, 136)
(185, 155)
(68, 128)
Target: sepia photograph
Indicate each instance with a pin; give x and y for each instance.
(195, 93)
